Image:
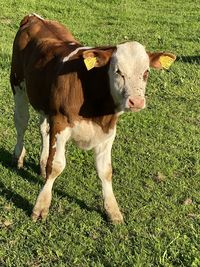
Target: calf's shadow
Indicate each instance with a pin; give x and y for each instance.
(21, 202)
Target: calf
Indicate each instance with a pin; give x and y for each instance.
(79, 92)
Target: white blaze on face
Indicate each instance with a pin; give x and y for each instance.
(128, 76)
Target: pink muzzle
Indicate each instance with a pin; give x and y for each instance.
(136, 103)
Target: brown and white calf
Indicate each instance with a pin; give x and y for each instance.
(49, 71)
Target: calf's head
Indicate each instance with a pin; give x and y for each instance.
(128, 73)
(129, 66)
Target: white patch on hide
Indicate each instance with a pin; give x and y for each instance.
(65, 59)
(36, 15)
(87, 134)
(44, 130)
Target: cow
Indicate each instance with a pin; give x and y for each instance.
(79, 93)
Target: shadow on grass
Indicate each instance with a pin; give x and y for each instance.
(189, 59)
(21, 202)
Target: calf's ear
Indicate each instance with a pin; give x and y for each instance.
(161, 60)
(96, 57)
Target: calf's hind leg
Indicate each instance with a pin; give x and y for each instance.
(44, 130)
(21, 117)
(55, 165)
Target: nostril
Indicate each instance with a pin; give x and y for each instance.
(136, 102)
(131, 102)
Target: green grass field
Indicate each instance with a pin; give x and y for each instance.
(156, 155)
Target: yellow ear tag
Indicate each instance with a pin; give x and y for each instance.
(166, 61)
(90, 62)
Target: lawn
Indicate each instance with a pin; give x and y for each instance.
(156, 154)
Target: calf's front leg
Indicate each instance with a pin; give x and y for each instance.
(55, 165)
(104, 170)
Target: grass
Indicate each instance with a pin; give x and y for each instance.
(155, 156)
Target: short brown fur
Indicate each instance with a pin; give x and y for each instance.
(55, 87)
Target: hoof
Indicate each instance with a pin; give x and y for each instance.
(17, 163)
(19, 160)
(113, 212)
(20, 165)
(38, 214)
(115, 218)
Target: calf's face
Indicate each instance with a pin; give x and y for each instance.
(128, 74)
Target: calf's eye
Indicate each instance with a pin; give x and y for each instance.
(119, 72)
(145, 75)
